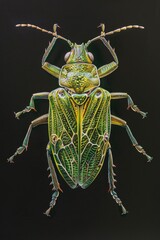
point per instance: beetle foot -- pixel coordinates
(52, 203)
(17, 115)
(136, 109)
(143, 114)
(149, 158)
(10, 160)
(18, 151)
(119, 202)
(47, 212)
(123, 210)
(141, 150)
(26, 110)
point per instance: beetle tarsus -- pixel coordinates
(136, 109)
(149, 158)
(10, 160)
(141, 150)
(47, 212)
(123, 210)
(17, 115)
(118, 201)
(18, 151)
(52, 203)
(26, 110)
(144, 114)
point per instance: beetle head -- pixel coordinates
(79, 53)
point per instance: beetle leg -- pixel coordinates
(52, 69)
(108, 68)
(42, 95)
(112, 180)
(54, 182)
(130, 102)
(38, 121)
(120, 122)
(48, 50)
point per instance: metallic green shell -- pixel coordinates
(79, 130)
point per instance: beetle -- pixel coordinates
(79, 119)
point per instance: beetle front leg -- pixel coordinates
(38, 121)
(130, 102)
(54, 182)
(108, 68)
(52, 69)
(120, 122)
(111, 181)
(35, 96)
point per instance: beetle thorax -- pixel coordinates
(79, 77)
(79, 74)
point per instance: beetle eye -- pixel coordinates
(67, 55)
(90, 55)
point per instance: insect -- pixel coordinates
(79, 119)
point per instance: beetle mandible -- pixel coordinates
(79, 119)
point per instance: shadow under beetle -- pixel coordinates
(79, 119)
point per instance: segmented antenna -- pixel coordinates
(103, 34)
(36, 27)
(123, 29)
(44, 30)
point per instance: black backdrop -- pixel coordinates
(25, 192)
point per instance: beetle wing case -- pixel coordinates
(79, 142)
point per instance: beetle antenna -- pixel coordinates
(123, 29)
(103, 34)
(46, 31)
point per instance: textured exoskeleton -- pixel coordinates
(79, 119)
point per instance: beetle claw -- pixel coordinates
(10, 160)
(144, 114)
(47, 212)
(123, 210)
(149, 158)
(17, 115)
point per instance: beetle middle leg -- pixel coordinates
(42, 95)
(54, 182)
(120, 122)
(38, 121)
(131, 104)
(111, 181)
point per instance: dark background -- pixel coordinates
(24, 186)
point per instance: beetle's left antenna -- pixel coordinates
(54, 33)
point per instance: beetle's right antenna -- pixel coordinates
(103, 34)
(54, 33)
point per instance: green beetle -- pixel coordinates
(79, 119)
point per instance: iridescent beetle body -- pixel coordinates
(79, 119)
(78, 142)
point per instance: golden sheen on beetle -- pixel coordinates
(79, 118)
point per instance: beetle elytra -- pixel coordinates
(79, 119)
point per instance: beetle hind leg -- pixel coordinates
(54, 181)
(120, 122)
(111, 180)
(38, 121)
